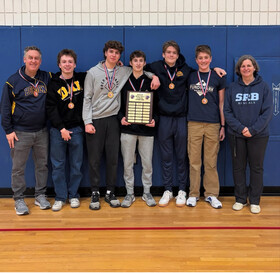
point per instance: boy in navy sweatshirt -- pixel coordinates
(206, 127)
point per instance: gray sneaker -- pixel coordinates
(148, 198)
(112, 200)
(128, 200)
(94, 202)
(21, 208)
(42, 202)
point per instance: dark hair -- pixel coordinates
(242, 59)
(67, 52)
(137, 54)
(170, 43)
(32, 48)
(113, 44)
(203, 48)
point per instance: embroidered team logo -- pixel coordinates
(179, 74)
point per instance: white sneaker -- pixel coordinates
(181, 199)
(166, 197)
(74, 202)
(255, 209)
(214, 202)
(58, 205)
(191, 202)
(238, 206)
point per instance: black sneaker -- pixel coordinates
(94, 203)
(112, 200)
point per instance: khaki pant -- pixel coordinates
(206, 135)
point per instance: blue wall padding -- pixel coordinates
(227, 44)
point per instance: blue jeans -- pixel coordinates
(58, 153)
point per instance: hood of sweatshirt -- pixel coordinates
(257, 80)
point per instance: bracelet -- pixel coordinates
(222, 126)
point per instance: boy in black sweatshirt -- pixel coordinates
(64, 106)
(131, 133)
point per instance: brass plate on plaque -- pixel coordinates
(139, 107)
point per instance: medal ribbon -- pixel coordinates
(204, 90)
(169, 75)
(134, 89)
(109, 80)
(34, 85)
(70, 88)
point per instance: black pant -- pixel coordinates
(106, 138)
(251, 150)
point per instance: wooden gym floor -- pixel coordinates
(141, 238)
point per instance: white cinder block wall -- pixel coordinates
(138, 12)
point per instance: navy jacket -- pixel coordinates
(20, 109)
(248, 106)
(172, 102)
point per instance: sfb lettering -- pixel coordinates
(63, 92)
(247, 97)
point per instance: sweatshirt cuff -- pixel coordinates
(9, 131)
(87, 121)
(240, 129)
(60, 126)
(252, 131)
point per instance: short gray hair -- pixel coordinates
(32, 48)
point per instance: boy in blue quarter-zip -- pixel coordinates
(24, 121)
(206, 127)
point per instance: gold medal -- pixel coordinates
(71, 105)
(110, 94)
(171, 85)
(35, 93)
(204, 101)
